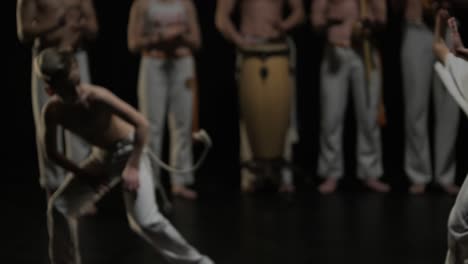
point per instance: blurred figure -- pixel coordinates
(265, 69)
(65, 24)
(166, 33)
(418, 82)
(453, 71)
(118, 134)
(350, 65)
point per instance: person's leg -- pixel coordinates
(458, 228)
(73, 199)
(446, 122)
(366, 102)
(152, 100)
(146, 220)
(417, 60)
(333, 98)
(180, 125)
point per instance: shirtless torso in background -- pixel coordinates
(261, 20)
(59, 23)
(340, 17)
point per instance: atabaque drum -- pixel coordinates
(265, 98)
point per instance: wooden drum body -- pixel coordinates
(265, 93)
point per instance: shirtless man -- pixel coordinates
(166, 34)
(56, 23)
(262, 21)
(453, 70)
(118, 134)
(342, 22)
(418, 82)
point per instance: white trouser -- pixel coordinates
(74, 197)
(458, 228)
(417, 65)
(164, 89)
(340, 68)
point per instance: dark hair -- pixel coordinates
(52, 64)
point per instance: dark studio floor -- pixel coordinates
(348, 227)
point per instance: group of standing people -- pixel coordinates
(166, 33)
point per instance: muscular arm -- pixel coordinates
(49, 139)
(318, 17)
(224, 23)
(89, 21)
(30, 26)
(295, 18)
(136, 39)
(192, 37)
(132, 116)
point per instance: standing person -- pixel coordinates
(266, 83)
(166, 33)
(343, 64)
(56, 23)
(453, 70)
(418, 83)
(118, 134)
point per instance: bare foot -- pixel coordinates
(417, 188)
(450, 188)
(377, 186)
(287, 188)
(184, 192)
(328, 186)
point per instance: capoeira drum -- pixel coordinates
(265, 98)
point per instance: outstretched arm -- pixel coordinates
(30, 25)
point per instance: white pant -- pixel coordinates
(417, 64)
(74, 197)
(340, 68)
(458, 228)
(163, 89)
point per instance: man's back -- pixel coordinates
(90, 117)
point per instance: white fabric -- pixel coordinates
(454, 74)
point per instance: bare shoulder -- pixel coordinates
(52, 109)
(98, 93)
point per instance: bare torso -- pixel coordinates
(68, 34)
(161, 15)
(347, 13)
(91, 120)
(414, 11)
(260, 19)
